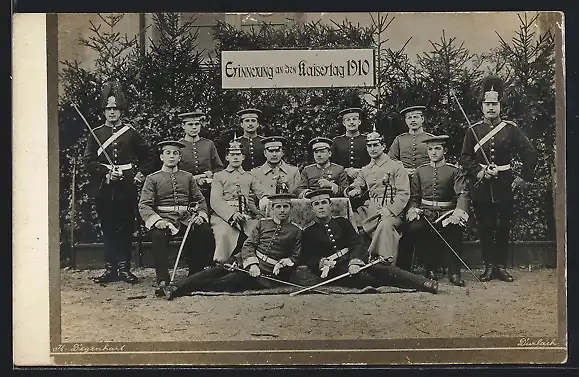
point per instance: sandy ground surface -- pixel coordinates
(120, 312)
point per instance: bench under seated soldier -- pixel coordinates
(273, 247)
(386, 182)
(114, 188)
(439, 193)
(235, 213)
(171, 200)
(331, 247)
(199, 156)
(323, 173)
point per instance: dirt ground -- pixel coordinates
(120, 312)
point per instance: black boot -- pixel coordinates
(488, 274)
(455, 279)
(108, 276)
(125, 273)
(500, 272)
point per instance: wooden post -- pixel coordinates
(73, 214)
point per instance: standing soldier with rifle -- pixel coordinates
(487, 151)
(109, 157)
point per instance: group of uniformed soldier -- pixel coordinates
(406, 198)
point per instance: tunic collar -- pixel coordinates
(267, 168)
(169, 170)
(438, 164)
(384, 158)
(495, 121)
(416, 132)
(231, 169)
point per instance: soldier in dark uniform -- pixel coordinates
(323, 173)
(170, 201)
(251, 143)
(114, 188)
(331, 246)
(273, 247)
(349, 149)
(409, 148)
(438, 191)
(199, 157)
(492, 185)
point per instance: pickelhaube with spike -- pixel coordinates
(374, 136)
(113, 96)
(234, 144)
(491, 89)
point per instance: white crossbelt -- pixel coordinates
(338, 254)
(488, 136)
(112, 138)
(265, 258)
(120, 167)
(172, 208)
(499, 167)
(435, 203)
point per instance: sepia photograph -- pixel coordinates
(373, 188)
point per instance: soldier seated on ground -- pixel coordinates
(166, 205)
(273, 247)
(331, 247)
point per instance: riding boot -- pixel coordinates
(109, 275)
(500, 272)
(488, 274)
(125, 273)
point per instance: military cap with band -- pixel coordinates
(319, 192)
(350, 110)
(273, 142)
(437, 139)
(491, 89)
(318, 143)
(412, 108)
(173, 143)
(281, 197)
(249, 113)
(196, 113)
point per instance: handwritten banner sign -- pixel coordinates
(297, 68)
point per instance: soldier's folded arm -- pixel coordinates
(296, 248)
(216, 163)
(302, 187)
(415, 191)
(342, 183)
(147, 203)
(461, 192)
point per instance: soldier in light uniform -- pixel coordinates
(324, 173)
(492, 186)
(386, 181)
(275, 175)
(114, 188)
(409, 148)
(331, 247)
(235, 212)
(170, 201)
(199, 157)
(439, 193)
(273, 248)
(251, 143)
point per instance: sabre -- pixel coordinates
(270, 278)
(376, 261)
(94, 135)
(191, 211)
(451, 249)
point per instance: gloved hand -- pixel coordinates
(413, 214)
(285, 262)
(353, 269)
(254, 271)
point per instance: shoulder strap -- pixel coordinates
(488, 136)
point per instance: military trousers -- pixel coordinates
(431, 249)
(494, 225)
(117, 216)
(198, 249)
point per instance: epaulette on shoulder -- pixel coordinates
(510, 122)
(423, 165)
(308, 225)
(96, 128)
(429, 134)
(155, 172)
(260, 137)
(453, 165)
(477, 123)
(296, 225)
(310, 165)
(266, 218)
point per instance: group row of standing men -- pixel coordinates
(404, 190)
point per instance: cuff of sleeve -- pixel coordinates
(249, 261)
(150, 222)
(204, 215)
(356, 261)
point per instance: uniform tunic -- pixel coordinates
(166, 195)
(270, 242)
(410, 150)
(383, 229)
(438, 190)
(312, 173)
(226, 187)
(492, 198)
(267, 177)
(253, 151)
(350, 152)
(200, 156)
(116, 201)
